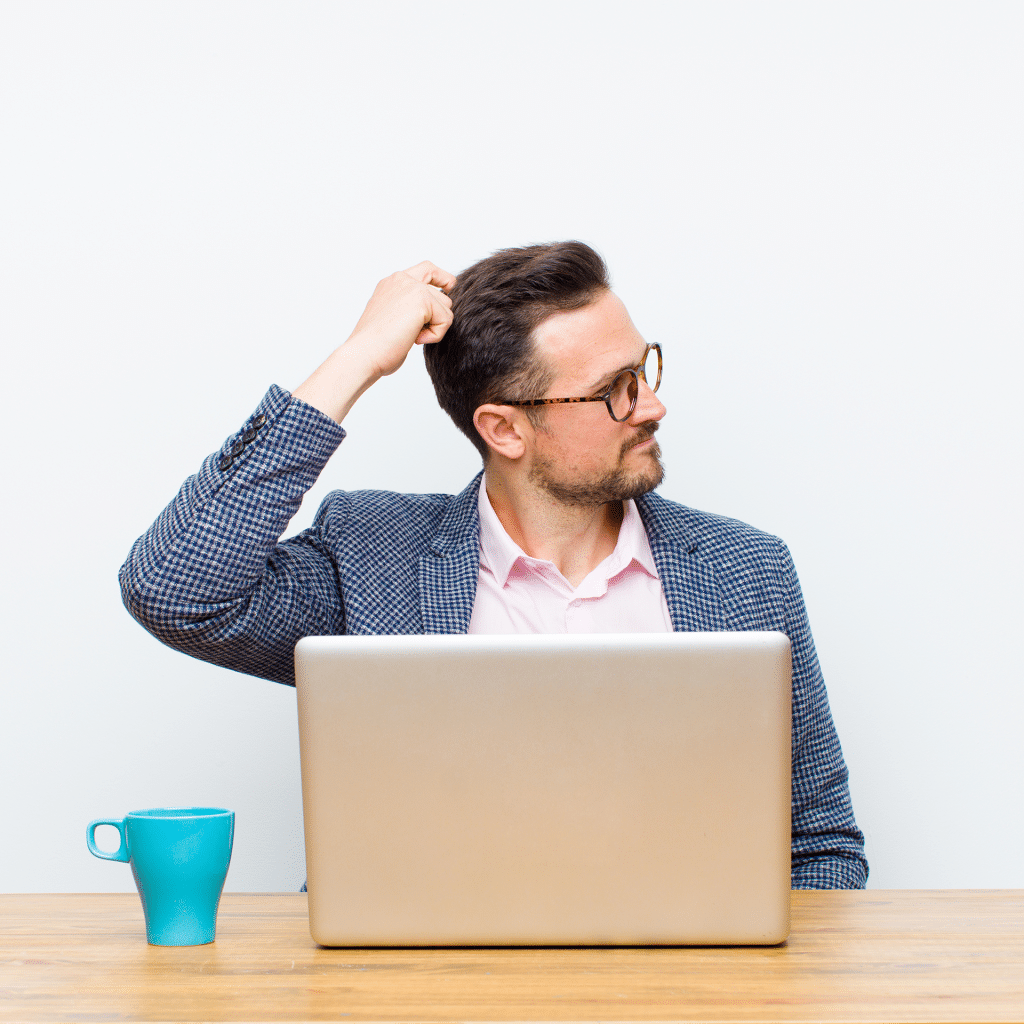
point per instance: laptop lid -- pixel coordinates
(546, 789)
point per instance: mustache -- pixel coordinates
(643, 433)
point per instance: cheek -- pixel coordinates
(583, 448)
(561, 449)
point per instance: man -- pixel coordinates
(538, 363)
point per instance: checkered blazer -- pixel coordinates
(209, 578)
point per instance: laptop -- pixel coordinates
(594, 789)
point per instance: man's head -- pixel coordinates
(542, 322)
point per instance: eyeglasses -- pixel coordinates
(622, 395)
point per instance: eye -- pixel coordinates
(623, 395)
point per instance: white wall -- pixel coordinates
(815, 208)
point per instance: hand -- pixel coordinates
(409, 307)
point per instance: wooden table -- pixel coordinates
(880, 955)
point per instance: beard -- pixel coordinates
(619, 484)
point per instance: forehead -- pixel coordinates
(583, 345)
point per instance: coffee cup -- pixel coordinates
(179, 857)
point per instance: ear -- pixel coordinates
(503, 428)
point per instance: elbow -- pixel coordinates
(164, 608)
(222, 632)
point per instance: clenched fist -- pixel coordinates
(411, 307)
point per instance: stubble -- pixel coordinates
(621, 484)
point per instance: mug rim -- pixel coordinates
(178, 813)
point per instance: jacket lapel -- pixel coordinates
(449, 571)
(691, 589)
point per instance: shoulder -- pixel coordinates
(714, 538)
(383, 510)
(398, 521)
(750, 570)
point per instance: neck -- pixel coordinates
(575, 538)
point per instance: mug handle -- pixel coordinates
(121, 853)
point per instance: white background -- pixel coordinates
(816, 209)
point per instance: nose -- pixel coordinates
(648, 406)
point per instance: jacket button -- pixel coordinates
(237, 447)
(249, 435)
(225, 463)
(259, 421)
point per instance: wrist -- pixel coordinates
(337, 383)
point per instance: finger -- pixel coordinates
(431, 334)
(429, 273)
(435, 328)
(442, 296)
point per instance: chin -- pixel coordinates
(645, 480)
(643, 483)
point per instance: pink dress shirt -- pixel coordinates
(520, 594)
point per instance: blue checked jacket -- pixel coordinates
(209, 578)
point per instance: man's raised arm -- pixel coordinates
(209, 577)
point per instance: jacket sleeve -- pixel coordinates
(209, 577)
(828, 847)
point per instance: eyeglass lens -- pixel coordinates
(623, 395)
(650, 370)
(625, 387)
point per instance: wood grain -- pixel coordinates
(880, 955)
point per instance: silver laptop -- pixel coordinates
(597, 789)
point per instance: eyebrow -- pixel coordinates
(606, 380)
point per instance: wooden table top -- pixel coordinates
(876, 955)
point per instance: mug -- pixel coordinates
(179, 857)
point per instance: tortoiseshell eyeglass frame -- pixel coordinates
(637, 373)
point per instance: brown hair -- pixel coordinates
(487, 353)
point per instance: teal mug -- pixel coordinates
(180, 857)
